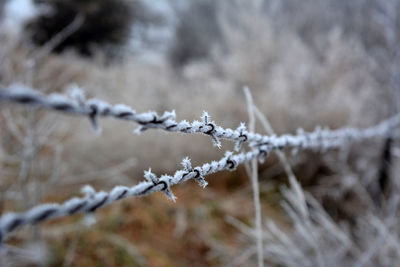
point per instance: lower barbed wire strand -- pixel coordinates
(93, 108)
(95, 200)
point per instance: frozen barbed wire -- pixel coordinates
(93, 200)
(261, 146)
(321, 138)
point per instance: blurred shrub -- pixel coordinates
(197, 34)
(2, 2)
(106, 22)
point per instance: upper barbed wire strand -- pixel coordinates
(93, 108)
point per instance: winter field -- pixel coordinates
(202, 133)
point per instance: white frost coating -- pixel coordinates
(121, 108)
(59, 98)
(261, 145)
(102, 106)
(19, 91)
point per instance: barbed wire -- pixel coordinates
(261, 146)
(93, 108)
(94, 200)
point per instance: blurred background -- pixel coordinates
(331, 62)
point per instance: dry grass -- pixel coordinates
(290, 83)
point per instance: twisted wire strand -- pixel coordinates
(94, 200)
(93, 108)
